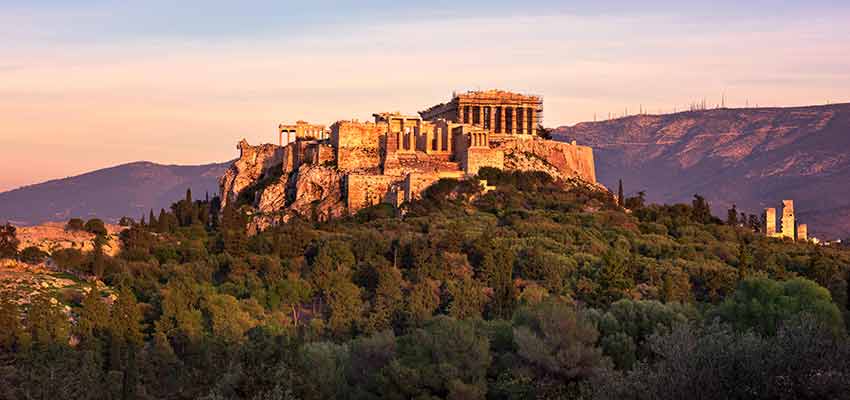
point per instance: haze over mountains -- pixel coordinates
(750, 157)
(130, 189)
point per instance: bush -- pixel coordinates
(33, 255)
(75, 224)
(96, 226)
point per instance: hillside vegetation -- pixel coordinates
(537, 289)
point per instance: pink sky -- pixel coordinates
(68, 107)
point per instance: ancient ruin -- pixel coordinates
(788, 225)
(394, 157)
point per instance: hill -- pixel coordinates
(751, 157)
(130, 189)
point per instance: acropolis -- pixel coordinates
(394, 157)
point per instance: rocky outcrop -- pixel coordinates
(53, 236)
(561, 160)
(254, 163)
(276, 186)
(317, 193)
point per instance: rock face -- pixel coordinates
(52, 236)
(272, 182)
(753, 158)
(253, 163)
(561, 160)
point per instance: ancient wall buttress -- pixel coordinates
(358, 145)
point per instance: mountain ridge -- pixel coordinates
(752, 157)
(129, 189)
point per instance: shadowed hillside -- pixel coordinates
(110, 193)
(751, 157)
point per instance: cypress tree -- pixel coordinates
(621, 201)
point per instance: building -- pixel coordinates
(288, 133)
(394, 157)
(497, 111)
(788, 227)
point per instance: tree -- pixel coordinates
(620, 197)
(126, 221)
(636, 202)
(96, 226)
(732, 216)
(763, 304)
(445, 359)
(9, 241)
(559, 345)
(701, 210)
(75, 224)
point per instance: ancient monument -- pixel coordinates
(394, 157)
(788, 226)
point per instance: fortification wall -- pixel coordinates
(358, 145)
(475, 158)
(362, 191)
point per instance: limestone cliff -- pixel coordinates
(277, 183)
(561, 160)
(275, 187)
(254, 163)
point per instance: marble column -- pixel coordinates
(412, 141)
(502, 128)
(513, 120)
(492, 119)
(533, 119)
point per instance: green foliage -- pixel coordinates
(95, 226)
(764, 304)
(33, 255)
(537, 289)
(75, 224)
(8, 241)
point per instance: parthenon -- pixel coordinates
(498, 111)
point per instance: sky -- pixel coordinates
(90, 84)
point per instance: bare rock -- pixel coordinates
(253, 163)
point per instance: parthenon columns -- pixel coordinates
(513, 120)
(502, 127)
(439, 133)
(411, 140)
(492, 119)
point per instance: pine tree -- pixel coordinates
(732, 216)
(152, 221)
(621, 200)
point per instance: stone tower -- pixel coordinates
(770, 221)
(788, 227)
(802, 232)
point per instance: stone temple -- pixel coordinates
(394, 157)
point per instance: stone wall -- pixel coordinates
(414, 184)
(358, 145)
(362, 190)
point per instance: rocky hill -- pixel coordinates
(110, 193)
(752, 157)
